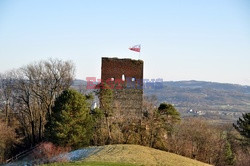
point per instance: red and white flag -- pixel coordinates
(136, 48)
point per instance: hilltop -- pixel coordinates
(134, 155)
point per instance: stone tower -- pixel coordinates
(126, 79)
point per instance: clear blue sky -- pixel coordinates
(181, 39)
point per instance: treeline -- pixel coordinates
(37, 105)
(27, 98)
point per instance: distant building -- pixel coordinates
(194, 112)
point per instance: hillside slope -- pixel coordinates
(133, 155)
(141, 155)
(114, 155)
(217, 101)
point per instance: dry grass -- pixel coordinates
(140, 155)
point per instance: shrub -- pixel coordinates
(47, 152)
(8, 139)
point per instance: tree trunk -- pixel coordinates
(40, 128)
(109, 131)
(33, 133)
(7, 112)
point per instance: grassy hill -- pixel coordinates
(126, 155)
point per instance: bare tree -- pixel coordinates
(33, 91)
(6, 93)
(195, 138)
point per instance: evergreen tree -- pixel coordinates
(162, 124)
(169, 112)
(168, 115)
(71, 123)
(243, 125)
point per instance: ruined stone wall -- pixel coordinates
(128, 73)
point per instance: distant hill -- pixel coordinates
(212, 100)
(216, 101)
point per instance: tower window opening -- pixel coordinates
(123, 77)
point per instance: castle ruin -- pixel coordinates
(126, 76)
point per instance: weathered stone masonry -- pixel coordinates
(130, 73)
